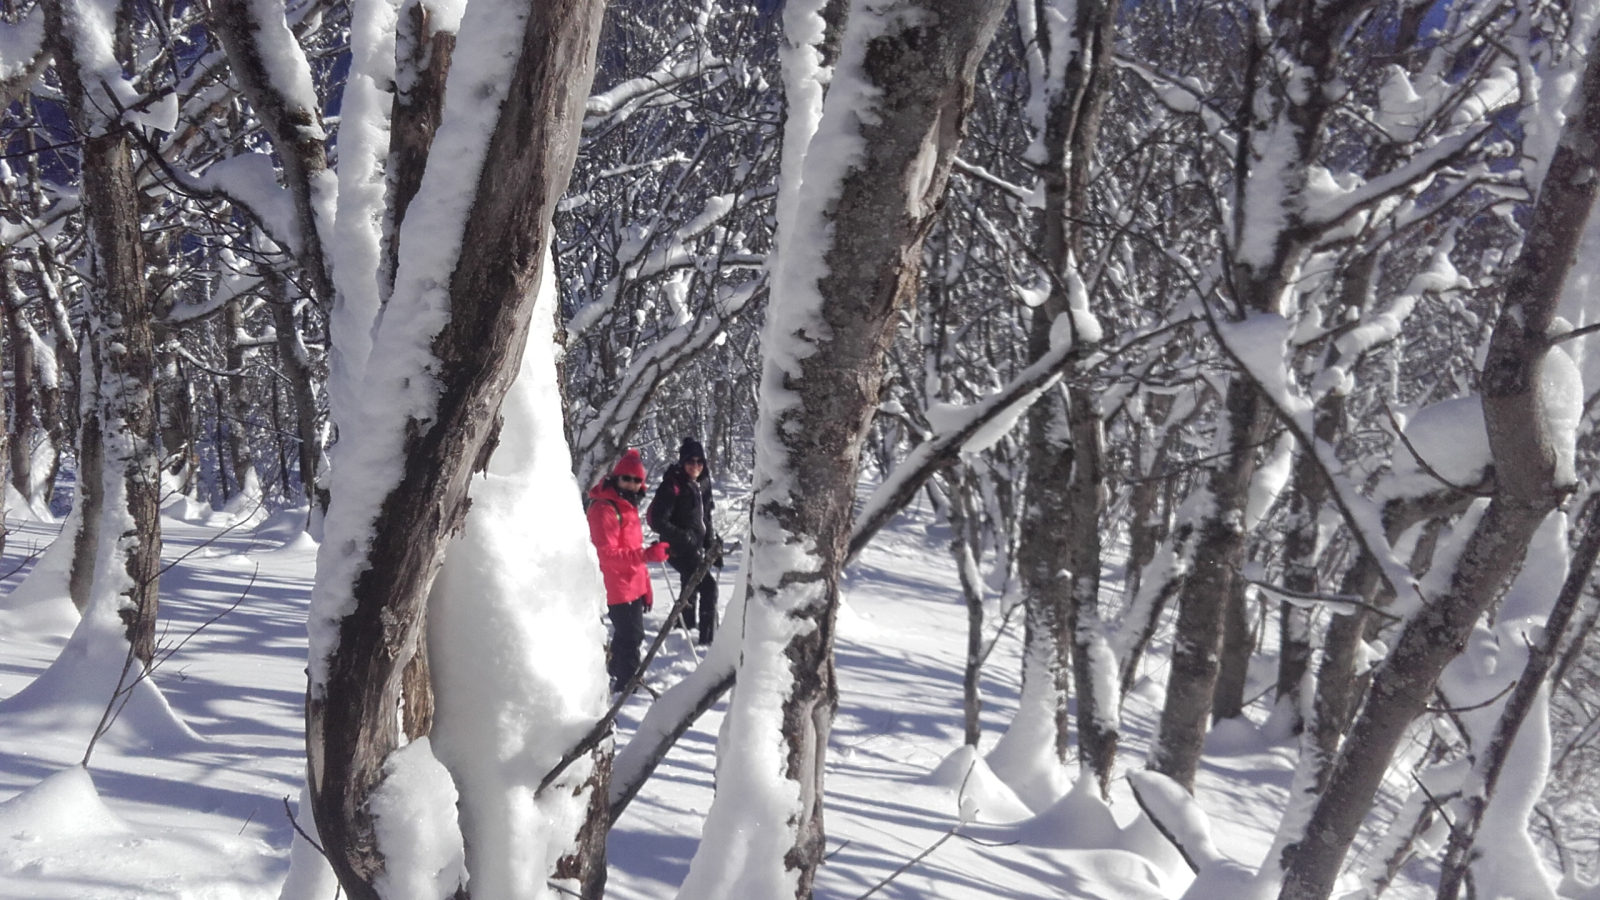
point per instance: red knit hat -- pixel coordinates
(630, 465)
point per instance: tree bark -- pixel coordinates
(296, 364)
(23, 369)
(351, 722)
(7, 441)
(1060, 567)
(1311, 35)
(237, 410)
(120, 323)
(1309, 492)
(294, 126)
(1233, 662)
(1218, 556)
(962, 547)
(88, 498)
(869, 221)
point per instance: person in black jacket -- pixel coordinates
(681, 513)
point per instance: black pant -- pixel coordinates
(708, 598)
(627, 633)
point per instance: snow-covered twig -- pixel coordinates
(1308, 598)
(979, 173)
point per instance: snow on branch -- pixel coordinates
(624, 98)
(1259, 346)
(1029, 197)
(645, 372)
(643, 263)
(1335, 206)
(22, 54)
(1341, 604)
(977, 427)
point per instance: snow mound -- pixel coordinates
(1224, 878)
(63, 805)
(1080, 820)
(1236, 736)
(20, 507)
(1109, 875)
(1025, 757)
(1176, 813)
(59, 841)
(187, 509)
(41, 605)
(981, 795)
(70, 697)
(853, 624)
(414, 815)
(286, 527)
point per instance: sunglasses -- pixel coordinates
(694, 462)
(629, 479)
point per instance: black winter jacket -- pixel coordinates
(681, 513)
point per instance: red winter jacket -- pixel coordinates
(619, 540)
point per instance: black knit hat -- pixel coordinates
(691, 449)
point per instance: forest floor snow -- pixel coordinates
(208, 820)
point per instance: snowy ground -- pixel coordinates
(208, 819)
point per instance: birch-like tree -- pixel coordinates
(864, 174)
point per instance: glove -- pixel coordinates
(715, 550)
(656, 552)
(649, 602)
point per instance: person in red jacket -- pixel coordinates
(619, 540)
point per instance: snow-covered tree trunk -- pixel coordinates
(62, 413)
(240, 460)
(1528, 694)
(296, 363)
(180, 461)
(1238, 645)
(951, 494)
(1292, 51)
(1060, 566)
(8, 443)
(513, 636)
(273, 73)
(23, 378)
(1202, 600)
(850, 240)
(83, 525)
(1309, 491)
(1531, 428)
(423, 54)
(964, 547)
(120, 316)
(452, 336)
